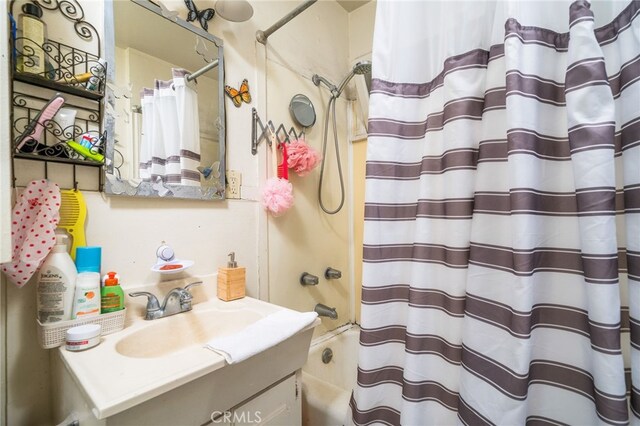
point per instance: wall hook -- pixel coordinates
(281, 133)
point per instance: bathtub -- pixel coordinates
(326, 388)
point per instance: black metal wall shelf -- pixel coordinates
(36, 80)
(26, 156)
(72, 70)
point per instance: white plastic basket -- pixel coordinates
(52, 335)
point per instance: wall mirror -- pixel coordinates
(165, 105)
(301, 109)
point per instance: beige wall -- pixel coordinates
(361, 22)
(304, 239)
(359, 172)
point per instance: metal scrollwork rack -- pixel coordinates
(281, 133)
(72, 70)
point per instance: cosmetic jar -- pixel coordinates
(83, 337)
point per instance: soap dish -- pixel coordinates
(172, 267)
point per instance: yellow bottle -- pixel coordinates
(231, 280)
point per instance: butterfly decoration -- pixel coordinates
(120, 92)
(119, 186)
(117, 113)
(171, 15)
(203, 51)
(238, 96)
(212, 171)
(158, 185)
(202, 16)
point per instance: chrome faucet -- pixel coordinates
(176, 301)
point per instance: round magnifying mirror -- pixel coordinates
(302, 110)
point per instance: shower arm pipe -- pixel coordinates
(262, 36)
(202, 70)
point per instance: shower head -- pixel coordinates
(360, 68)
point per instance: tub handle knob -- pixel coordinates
(332, 274)
(308, 279)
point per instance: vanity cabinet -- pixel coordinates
(111, 384)
(191, 404)
(280, 404)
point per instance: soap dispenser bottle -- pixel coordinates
(231, 280)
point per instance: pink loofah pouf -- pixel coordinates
(277, 196)
(302, 157)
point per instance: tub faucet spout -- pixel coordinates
(325, 311)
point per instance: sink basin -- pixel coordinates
(165, 360)
(165, 336)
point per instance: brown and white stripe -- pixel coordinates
(502, 238)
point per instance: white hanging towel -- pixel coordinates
(261, 335)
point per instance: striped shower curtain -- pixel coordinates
(170, 136)
(501, 280)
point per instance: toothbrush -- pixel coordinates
(36, 126)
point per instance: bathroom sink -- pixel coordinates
(166, 360)
(165, 336)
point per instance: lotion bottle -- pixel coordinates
(56, 284)
(86, 302)
(231, 280)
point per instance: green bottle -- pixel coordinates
(111, 295)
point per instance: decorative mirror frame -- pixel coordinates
(116, 186)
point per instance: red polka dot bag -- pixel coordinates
(34, 220)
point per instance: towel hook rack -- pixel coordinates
(281, 133)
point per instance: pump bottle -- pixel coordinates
(231, 280)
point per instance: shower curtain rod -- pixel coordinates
(202, 70)
(137, 109)
(262, 36)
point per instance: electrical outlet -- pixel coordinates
(234, 182)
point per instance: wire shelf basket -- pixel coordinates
(42, 70)
(52, 335)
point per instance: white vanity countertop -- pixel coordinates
(113, 382)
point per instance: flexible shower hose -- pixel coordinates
(331, 111)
